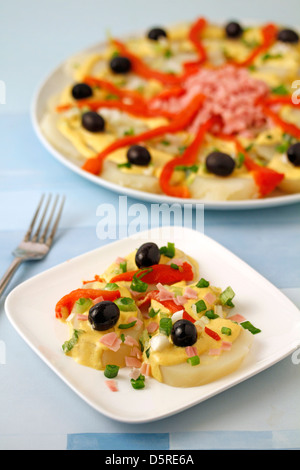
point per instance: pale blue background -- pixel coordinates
(36, 409)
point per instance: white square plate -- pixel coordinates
(30, 309)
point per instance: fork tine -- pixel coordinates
(51, 236)
(43, 236)
(28, 233)
(35, 236)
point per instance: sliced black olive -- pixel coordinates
(293, 154)
(220, 164)
(138, 155)
(184, 333)
(104, 315)
(120, 64)
(147, 255)
(233, 30)
(288, 35)
(156, 33)
(93, 122)
(81, 91)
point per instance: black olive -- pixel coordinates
(81, 91)
(220, 164)
(120, 64)
(93, 122)
(233, 30)
(184, 333)
(293, 154)
(104, 315)
(138, 155)
(156, 33)
(147, 255)
(288, 35)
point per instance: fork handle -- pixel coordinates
(9, 274)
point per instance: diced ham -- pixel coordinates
(137, 320)
(145, 369)
(132, 362)
(82, 317)
(119, 260)
(190, 293)
(112, 385)
(136, 352)
(180, 300)
(152, 327)
(134, 373)
(237, 318)
(226, 345)
(177, 261)
(191, 351)
(130, 341)
(112, 341)
(163, 293)
(210, 298)
(214, 351)
(98, 300)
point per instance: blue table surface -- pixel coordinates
(37, 410)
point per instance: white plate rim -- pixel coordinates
(36, 104)
(236, 379)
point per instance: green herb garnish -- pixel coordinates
(111, 286)
(82, 305)
(152, 313)
(126, 304)
(139, 382)
(174, 266)
(137, 285)
(269, 56)
(226, 297)
(200, 306)
(111, 371)
(124, 165)
(211, 314)
(248, 326)
(168, 250)
(226, 331)
(69, 345)
(202, 283)
(194, 360)
(125, 326)
(123, 266)
(280, 90)
(165, 326)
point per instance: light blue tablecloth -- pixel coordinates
(37, 410)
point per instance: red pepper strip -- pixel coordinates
(160, 273)
(188, 317)
(265, 178)
(68, 300)
(188, 158)
(96, 279)
(284, 100)
(121, 93)
(182, 120)
(286, 126)
(194, 34)
(212, 334)
(140, 68)
(269, 33)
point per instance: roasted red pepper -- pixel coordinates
(194, 37)
(288, 127)
(183, 119)
(187, 316)
(160, 273)
(189, 157)
(212, 334)
(67, 302)
(269, 34)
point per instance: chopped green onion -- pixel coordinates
(125, 326)
(123, 266)
(202, 283)
(226, 297)
(226, 331)
(129, 132)
(144, 340)
(240, 159)
(165, 326)
(124, 165)
(200, 306)
(248, 326)
(139, 382)
(126, 304)
(268, 56)
(211, 314)
(68, 345)
(138, 285)
(168, 250)
(194, 360)
(82, 305)
(152, 313)
(280, 90)
(111, 286)
(174, 266)
(122, 337)
(111, 371)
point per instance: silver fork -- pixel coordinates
(35, 245)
